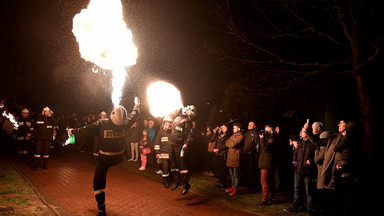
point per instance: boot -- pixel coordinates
(230, 189)
(186, 185)
(234, 192)
(185, 190)
(35, 162)
(176, 177)
(165, 182)
(101, 209)
(45, 163)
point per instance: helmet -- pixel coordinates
(167, 118)
(45, 109)
(190, 111)
(118, 116)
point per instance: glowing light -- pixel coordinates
(163, 98)
(105, 40)
(11, 119)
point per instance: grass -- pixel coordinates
(16, 196)
(206, 186)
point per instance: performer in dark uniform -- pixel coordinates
(111, 146)
(24, 132)
(45, 132)
(180, 138)
(162, 148)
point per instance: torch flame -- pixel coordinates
(11, 119)
(163, 98)
(105, 40)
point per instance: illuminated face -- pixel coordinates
(342, 126)
(269, 129)
(236, 129)
(251, 125)
(24, 114)
(103, 116)
(47, 113)
(224, 129)
(150, 124)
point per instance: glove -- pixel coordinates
(137, 101)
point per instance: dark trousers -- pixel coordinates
(103, 162)
(165, 167)
(43, 147)
(221, 169)
(249, 170)
(303, 181)
(24, 146)
(180, 163)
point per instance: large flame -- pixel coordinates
(163, 98)
(105, 40)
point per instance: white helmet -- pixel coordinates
(45, 109)
(119, 116)
(190, 111)
(167, 118)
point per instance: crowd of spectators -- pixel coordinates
(323, 163)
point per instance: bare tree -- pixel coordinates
(295, 40)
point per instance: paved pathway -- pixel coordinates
(67, 187)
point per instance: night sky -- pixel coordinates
(41, 65)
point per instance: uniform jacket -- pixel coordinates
(162, 145)
(181, 132)
(234, 144)
(25, 128)
(44, 127)
(111, 137)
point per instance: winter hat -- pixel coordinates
(324, 135)
(318, 125)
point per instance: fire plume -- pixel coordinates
(105, 40)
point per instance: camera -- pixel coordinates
(263, 132)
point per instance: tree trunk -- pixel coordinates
(366, 112)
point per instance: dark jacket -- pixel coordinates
(181, 132)
(134, 134)
(25, 128)
(143, 144)
(162, 145)
(267, 147)
(44, 127)
(250, 141)
(305, 151)
(220, 144)
(111, 137)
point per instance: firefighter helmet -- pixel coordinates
(167, 118)
(190, 111)
(119, 116)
